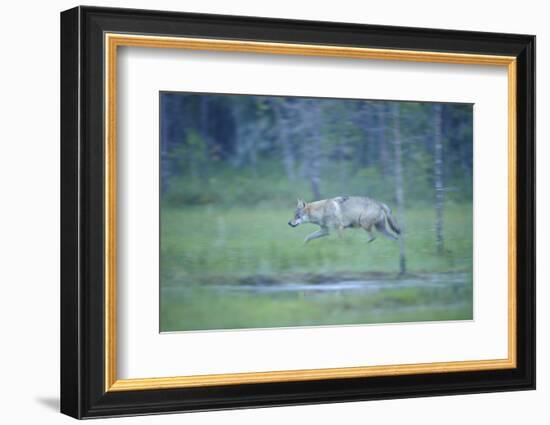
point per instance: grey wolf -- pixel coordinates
(345, 212)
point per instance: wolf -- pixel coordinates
(345, 212)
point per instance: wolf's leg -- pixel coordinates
(316, 235)
(340, 231)
(381, 227)
(367, 227)
(371, 234)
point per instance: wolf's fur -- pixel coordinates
(345, 212)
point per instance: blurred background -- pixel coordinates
(232, 168)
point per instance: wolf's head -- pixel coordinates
(300, 215)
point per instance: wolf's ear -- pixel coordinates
(301, 203)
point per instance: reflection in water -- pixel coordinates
(433, 280)
(299, 302)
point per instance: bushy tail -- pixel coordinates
(391, 219)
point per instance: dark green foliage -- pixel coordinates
(259, 141)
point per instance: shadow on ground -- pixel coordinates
(49, 402)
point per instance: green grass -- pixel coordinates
(204, 247)
(212, 245)
(204, 308)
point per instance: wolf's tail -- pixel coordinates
(391, 219)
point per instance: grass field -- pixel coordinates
(204, 248)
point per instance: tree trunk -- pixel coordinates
(166, 137)
(313, 151)
(438, 178)
(384, 154)
(203, 168)
(365, 121)
(284, 138)
(399, 195)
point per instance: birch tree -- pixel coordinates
(399, 192)
(438, 178)
(384, 154)
(314, 150)
(284, 137)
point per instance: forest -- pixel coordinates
(232, 169)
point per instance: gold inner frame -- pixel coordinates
(113, 41)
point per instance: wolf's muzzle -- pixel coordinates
(291, 224)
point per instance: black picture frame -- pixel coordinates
(83, 392)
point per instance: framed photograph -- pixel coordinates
(261, 212)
